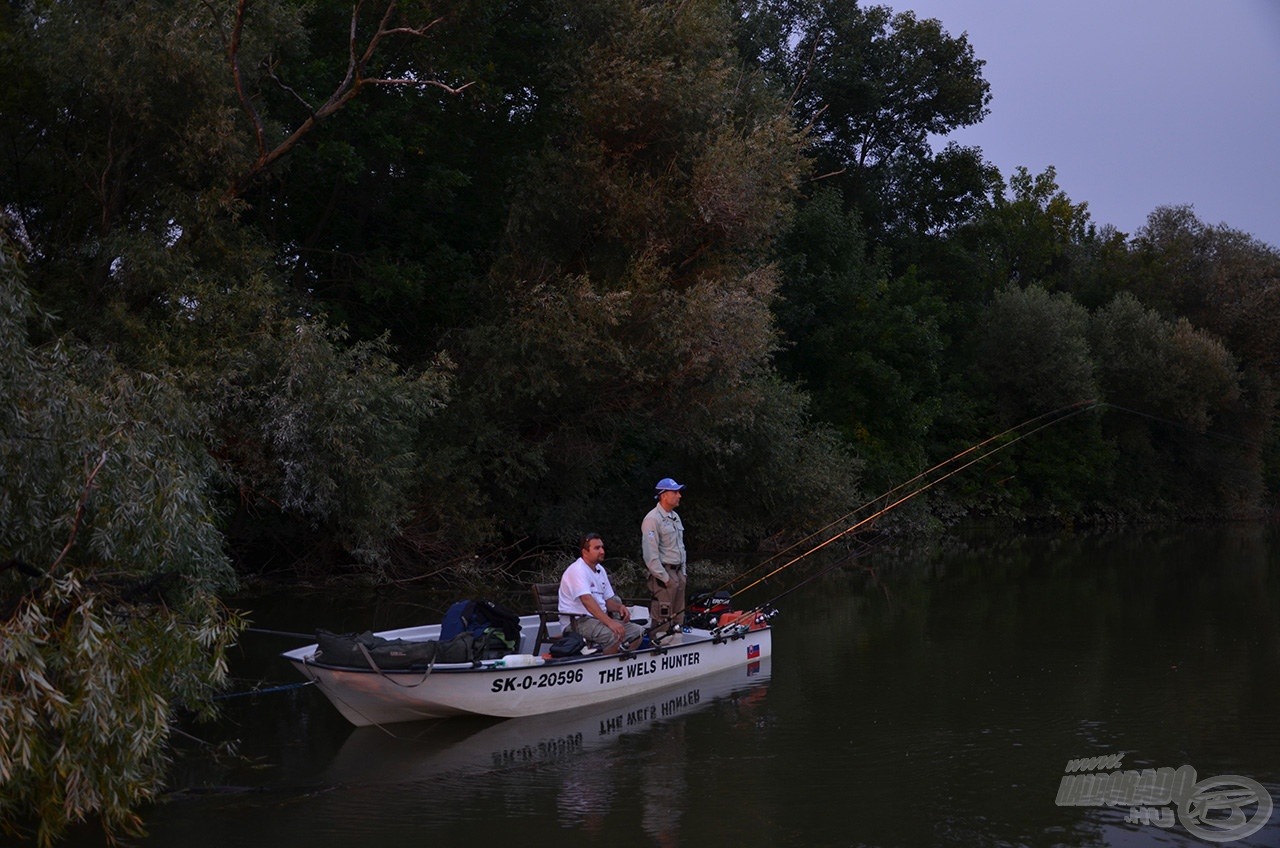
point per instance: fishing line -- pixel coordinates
(917, 485)
(923, 474)
(1209, 434)
(1056, 416)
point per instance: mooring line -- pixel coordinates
(310, 637)
(283, 687)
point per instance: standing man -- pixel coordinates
(662, 545)
(594, 609)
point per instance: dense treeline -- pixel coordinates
(362, 287)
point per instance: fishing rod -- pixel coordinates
(913, 488)
(1056, 416)
(918, 485)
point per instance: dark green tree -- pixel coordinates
(150, 142)
(118, 141)
(385, 215)
(1224, 281)
(1032, 231)
(636, 337)
(1174, 456)
(1219, 278)
(876, 87)
(1032, 357)
(1033, 353)
(111, 566)
(867, 345)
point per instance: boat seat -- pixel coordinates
(546, 602)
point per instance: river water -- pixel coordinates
(936, 702)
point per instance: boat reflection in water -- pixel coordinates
(416, 751)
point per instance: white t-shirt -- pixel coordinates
(581, 579)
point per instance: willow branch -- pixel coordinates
(80, 508)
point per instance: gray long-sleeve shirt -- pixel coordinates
(661, 541)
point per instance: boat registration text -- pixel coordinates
(613, 674)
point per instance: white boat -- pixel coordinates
(525, 684)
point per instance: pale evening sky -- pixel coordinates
(1137, 103)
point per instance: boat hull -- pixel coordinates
(504, 689)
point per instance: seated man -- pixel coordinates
(594, 609)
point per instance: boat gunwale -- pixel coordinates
(303, 656)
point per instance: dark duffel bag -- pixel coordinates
(568, 645)
(459, 649)
(344, 649)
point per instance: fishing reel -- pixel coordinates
(737, 623)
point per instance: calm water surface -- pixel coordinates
(935, 705)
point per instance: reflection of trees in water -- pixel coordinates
(662, 772)
(664, 784)
(633, 770)
(1005, 662)
(587, 794)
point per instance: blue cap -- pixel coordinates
(666, 484)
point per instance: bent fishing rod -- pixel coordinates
(904, 493)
